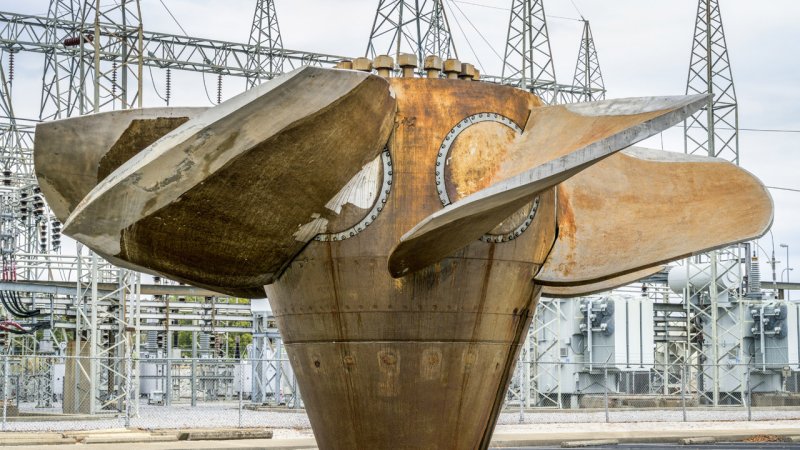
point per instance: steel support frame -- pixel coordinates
(419, 27)
(588, 76)
(713, 131)
(528, 59)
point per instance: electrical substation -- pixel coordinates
(83, 336)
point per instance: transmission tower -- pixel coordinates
(718, 313)
(528, 60)
(61, 92)
(588, 76)
(712, 131)
(265, 34)
(102, 68)
(419, 27)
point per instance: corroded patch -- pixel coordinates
(470, 159)
(138, 136)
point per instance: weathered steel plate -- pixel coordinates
(600, 286)
(253, 170)
(73, 155)
(558, 142)
(643, 207)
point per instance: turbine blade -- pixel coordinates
(73, 155)
(220, 200)
(600, 286)
(558, 142)
(643, 207)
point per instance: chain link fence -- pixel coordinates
(52, 393)
(573, 392)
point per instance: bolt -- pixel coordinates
(344, 64)
(467, 72)
(384, 64)
(408, 62)
(362, 64)
(452, 67)
(433, 66)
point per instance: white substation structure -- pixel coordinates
(591, 346)
(747, 343)
(775, 348)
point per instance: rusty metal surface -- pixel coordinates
(421, 361)
(643, 207)
(240, 170)
(558, 142)
(600, 286)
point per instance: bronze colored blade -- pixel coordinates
(221, 200)
(600, 286)
(643, 207)
(72, 156)
(558, 142)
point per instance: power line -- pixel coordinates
(761, 130)
(491, 47)
(769, 130)
(481, 5)
(466, 38)
(500, 8)
(783, 188)
(173, 17)
(576, 8)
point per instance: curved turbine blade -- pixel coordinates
(558, 142)
(219, 201)
(600, 286)
(72, 156)
(643, 207)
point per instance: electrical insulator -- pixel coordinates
(7, 178)
(160, 340)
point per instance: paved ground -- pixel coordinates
(646, 435)
(718, 446)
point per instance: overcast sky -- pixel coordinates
(643, 46)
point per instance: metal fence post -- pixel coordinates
(605, 390)
(241, 388)
(683, 390)
(5, 392)
(128, 388)
(194, 381)
(749, 395)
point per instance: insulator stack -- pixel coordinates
(169, 85)
(55, 234)
(6, 178)
(38, 202)
(23, 205)
(114, 79)
(754, 282)
(76, 40)
(219, 88)
(11, 67)
(42, 237)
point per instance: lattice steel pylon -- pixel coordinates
(712, 131)
(716, 311)
(62, 95)
(411, 26)
(528, 59)
(265, 34)
(89, 70)
(588, 76)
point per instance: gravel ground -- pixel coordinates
(294, 423)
